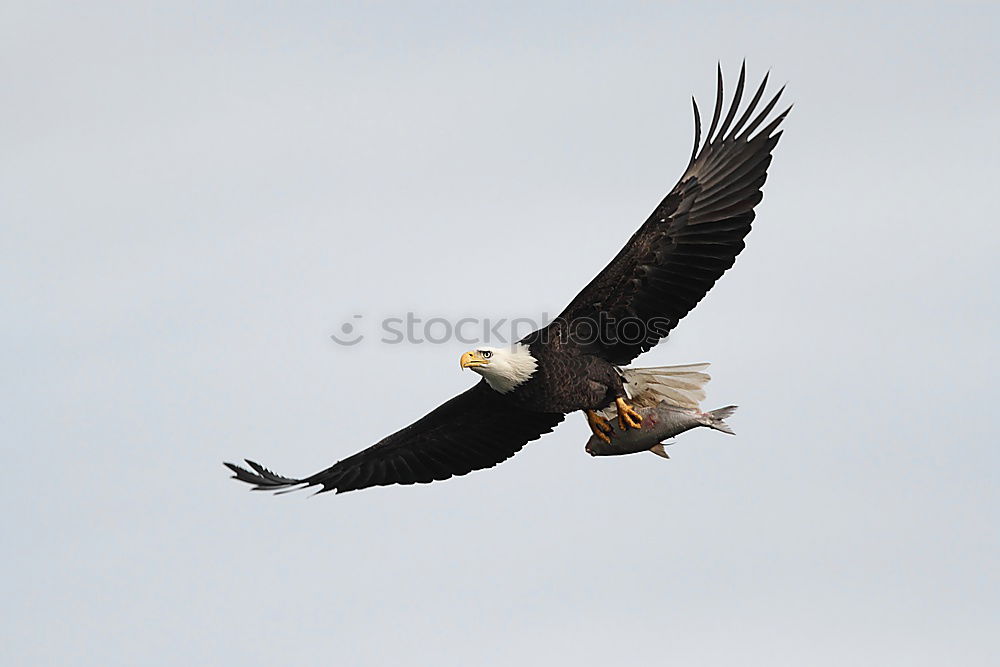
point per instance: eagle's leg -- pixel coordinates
(599, 425)
(627, 416)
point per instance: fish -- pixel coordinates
(659, 422)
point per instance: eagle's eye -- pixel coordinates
(486, 354)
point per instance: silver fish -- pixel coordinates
(659, 422)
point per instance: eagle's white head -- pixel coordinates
(503, 368)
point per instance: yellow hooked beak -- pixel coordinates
(472, 359)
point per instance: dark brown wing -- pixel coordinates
(687, 243)
(477, 429)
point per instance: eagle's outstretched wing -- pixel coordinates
(477, 429)
(685, 245)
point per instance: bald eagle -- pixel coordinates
(578, 362)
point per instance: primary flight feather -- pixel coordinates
(577, 363)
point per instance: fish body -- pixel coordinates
(660, 422)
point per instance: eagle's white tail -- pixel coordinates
(682, 386)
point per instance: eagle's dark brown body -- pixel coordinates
(567, 381)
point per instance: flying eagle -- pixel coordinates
(578, 361)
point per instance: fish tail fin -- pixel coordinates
(716, 419)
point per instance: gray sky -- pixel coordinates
(195, 196)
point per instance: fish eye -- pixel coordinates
(486, 354)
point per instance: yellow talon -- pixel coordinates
(599, 425)
(627, 417)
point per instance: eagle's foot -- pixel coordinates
(627, 416)
(599, 425)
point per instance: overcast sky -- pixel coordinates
(195, 196)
